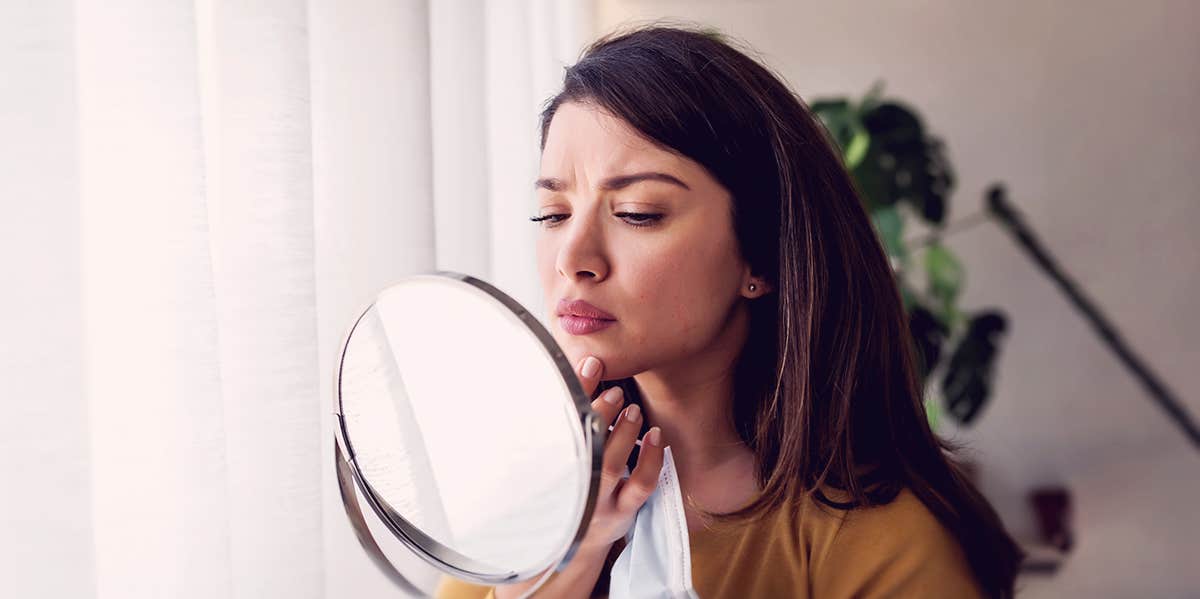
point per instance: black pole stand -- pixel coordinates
(998, 206)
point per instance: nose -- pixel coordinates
(582, 255)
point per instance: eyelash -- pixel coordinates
(647, 219)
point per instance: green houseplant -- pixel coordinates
(904, 176)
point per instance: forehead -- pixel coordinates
(588, 136)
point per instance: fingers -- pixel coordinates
(644, 477)
(608, 405)
(620, 442)
(589, 371)
(627, 423)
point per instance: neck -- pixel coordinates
(692, 403)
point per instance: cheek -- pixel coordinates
(545, 265)
(684, 290)
(544, 253)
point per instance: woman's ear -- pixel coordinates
(754, 287)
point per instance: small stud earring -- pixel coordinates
(753, 286)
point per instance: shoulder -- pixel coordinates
(452, 588)
(898, 549)
(903, 521)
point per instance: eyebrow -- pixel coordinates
(615, 183)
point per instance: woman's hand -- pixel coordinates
(618, 499)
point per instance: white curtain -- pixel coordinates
(196, 196)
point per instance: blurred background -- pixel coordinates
(197, 196)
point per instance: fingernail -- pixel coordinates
(614, 395)
(633, 413)
(654, 436)
(591, 367)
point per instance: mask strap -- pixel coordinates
(678, 541)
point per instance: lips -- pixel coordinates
(583, 309)
(581, 318)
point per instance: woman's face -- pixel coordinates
(642, 234)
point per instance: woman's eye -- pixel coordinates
(636, 219)
(639, 219)
(550, 219)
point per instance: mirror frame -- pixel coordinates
(430, 550)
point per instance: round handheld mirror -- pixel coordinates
(462, 425)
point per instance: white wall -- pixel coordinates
(1088, 112)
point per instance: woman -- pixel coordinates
(711, 269)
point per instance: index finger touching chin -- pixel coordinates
(589, 370)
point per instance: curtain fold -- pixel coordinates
(259, 193)
(198, 197)
(373, 203)
(160, 486)
(460, 145)
(45, 462)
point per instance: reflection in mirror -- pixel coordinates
(460, 419)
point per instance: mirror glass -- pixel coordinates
(463, 418)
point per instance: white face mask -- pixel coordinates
(657, 560)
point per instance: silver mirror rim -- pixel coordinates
(433, 552)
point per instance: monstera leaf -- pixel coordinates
(910, 166)
(968, 380)
(886, 149)
(929, 334)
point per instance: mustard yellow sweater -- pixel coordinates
(894, 550)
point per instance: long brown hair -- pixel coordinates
(826, 390)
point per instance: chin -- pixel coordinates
(621, 370)
(576, 349)
(617, 364)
